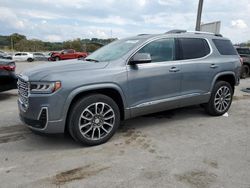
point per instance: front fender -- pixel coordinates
(92, 87)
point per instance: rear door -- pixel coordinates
(24, 56)
(154, 86)
(68, 54)
(197, 69)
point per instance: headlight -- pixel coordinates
(44, 87)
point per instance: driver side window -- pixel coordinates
(160, 50)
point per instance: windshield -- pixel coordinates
(113, 50)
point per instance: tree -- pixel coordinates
(75, 44)
(248, 43)
(92, 47)
(15, 38)
(29, 45)
(21, 43)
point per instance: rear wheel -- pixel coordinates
(30, 59)
(94, 119)
(221, 99)
(245, 71)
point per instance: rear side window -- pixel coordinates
(225, 47)
(193, 48)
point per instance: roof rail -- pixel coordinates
(207, 33)
(142, 34)
(176, 31)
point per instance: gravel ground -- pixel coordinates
(178, 148)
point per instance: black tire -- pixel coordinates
(212, 107)
(80, 111)
(30, 59)
(245, 71)
(57, 59)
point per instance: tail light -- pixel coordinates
(8, 67)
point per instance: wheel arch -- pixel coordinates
(225, 76)
(111, 90)
(57, 56)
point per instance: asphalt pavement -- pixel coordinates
(175, 149)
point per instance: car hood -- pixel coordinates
(41, 71)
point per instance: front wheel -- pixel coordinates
(57, 59)
(221, 99)
(94, 119)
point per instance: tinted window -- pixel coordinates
(243, 51)
(194, 48)
(225, 47)
(24, 54)
(160, 50)
(18, 54)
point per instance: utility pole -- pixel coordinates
(111, 33)
(12, 44)
(199, 12)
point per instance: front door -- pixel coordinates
(155, 86)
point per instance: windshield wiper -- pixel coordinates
(93, 60)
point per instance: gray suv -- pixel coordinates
(127, 78)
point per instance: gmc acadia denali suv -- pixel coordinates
(128, 78)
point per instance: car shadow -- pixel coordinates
(32, 141)
(168, 116)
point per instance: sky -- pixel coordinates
(59, 20)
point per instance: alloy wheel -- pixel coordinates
(96, 121)
(222, 99)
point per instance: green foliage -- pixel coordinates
(4, 41)
(29, 45)
(53, 46)
(17, 37)
(92, 47)
(73, 44)
(248, 43)
(20, 43)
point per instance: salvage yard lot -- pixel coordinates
(178, 148)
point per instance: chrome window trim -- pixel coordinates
(164, 37)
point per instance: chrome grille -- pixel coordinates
(23, 92)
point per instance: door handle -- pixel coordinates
(174, 69)
(213, 66)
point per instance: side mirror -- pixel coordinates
(140, 58)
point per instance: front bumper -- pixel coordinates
(38, 116)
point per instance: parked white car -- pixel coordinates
(23, 56)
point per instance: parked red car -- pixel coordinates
(67, 54)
